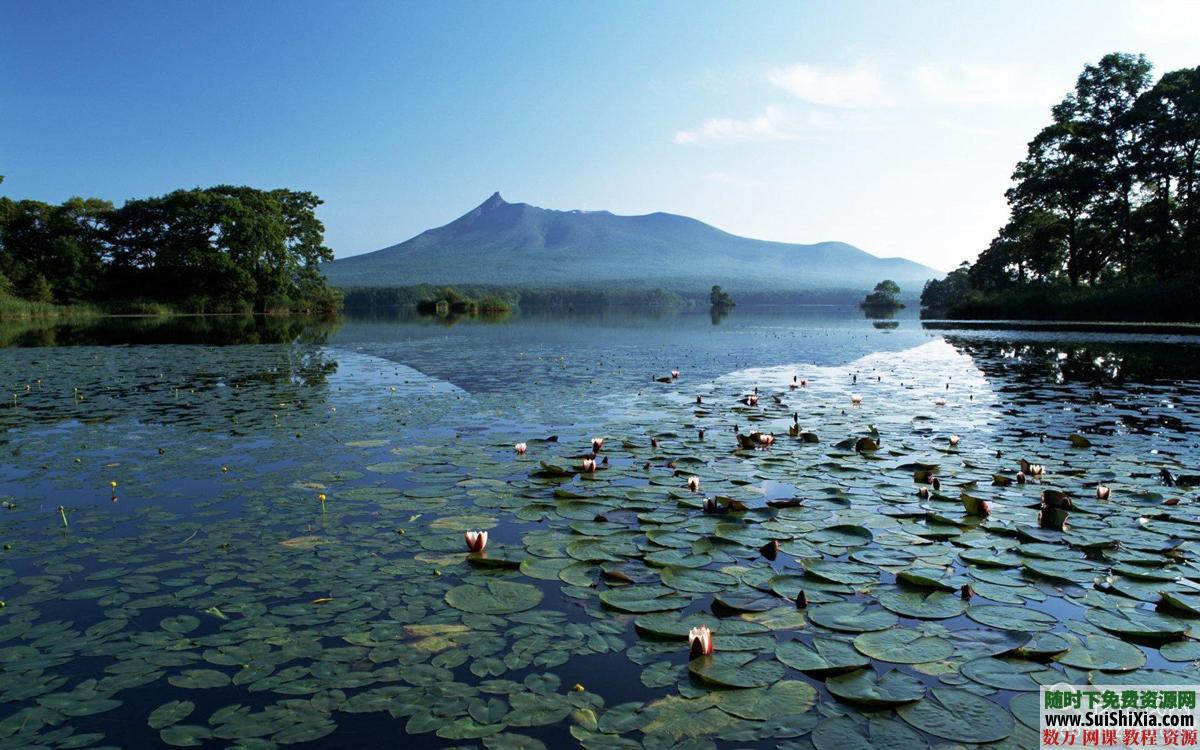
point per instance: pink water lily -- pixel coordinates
(693, 484)
(700, 641)
(520, 448)
(766, 440)
(855, 399)
(589, 465)
(1102, 492)
(954, 440)
(939, 402)
(476, 540)
(752, 400)
(597, 444)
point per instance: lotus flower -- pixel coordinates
(520, 448)
(855, 399)
(675, 374)
(589, 465)
(939, 402)
(766, 440)
(597, 444)
(476, 540)
(693, 484)
(1102, 492)
(954, 441)
(700, 642)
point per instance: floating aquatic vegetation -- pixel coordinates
(257, 619)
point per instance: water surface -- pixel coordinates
(210, 598)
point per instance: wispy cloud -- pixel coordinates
(983, 86)
(860, 85)
(774, 124)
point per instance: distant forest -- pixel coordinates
(218, 249)
(1105, 208)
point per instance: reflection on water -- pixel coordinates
(203, 330)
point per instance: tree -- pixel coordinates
(886, 295)
(720, 298)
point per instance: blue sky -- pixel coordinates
(893, 126)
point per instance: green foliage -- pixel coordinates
(1107, 197)
(719, 298)
(939, 294)
(224, 248)
(885, 296)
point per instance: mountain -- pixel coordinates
(516, 244)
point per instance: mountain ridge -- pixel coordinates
(518, 244)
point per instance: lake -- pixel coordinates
(250, 532)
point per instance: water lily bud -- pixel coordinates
(802, 600)
(700, 641)
(476, 540)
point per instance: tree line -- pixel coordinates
(218, 249)
(1107, 197)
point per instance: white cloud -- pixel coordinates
(981, 85)
(860, 85)
(774, 124)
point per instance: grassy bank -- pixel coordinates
(1169, 301)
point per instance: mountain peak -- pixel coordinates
(495, 201)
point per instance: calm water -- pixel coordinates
(211, 599)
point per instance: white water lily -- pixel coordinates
(693, 484)
(589, 465)
(855, 399)
(520, 448)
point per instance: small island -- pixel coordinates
(885, 298)
(447, 301)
